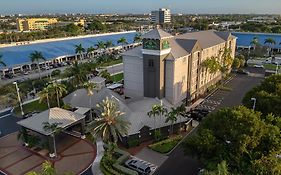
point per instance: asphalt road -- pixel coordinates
(178, 163)
(111, 69)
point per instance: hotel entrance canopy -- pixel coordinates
(60, 116)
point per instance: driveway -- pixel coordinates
(178, 163)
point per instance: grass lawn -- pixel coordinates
(110, 63)
(31, 107)
(117, 77)
(167, 145)
(270, 66)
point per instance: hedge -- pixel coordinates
(165, 146)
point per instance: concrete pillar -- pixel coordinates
(83, 129)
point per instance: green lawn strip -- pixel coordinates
(269, 66)
(31, 107)
(110, 63)
(117, 77)
(167, 145)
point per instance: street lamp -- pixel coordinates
(254, 105)
(18, 92)
(277, 67)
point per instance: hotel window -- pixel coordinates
(150, 63)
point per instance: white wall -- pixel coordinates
(133, 76)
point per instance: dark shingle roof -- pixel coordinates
(157, 34)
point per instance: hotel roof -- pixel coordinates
(157, 34)
(54, 115)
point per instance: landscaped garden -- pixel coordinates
(165, 146)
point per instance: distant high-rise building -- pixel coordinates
(161, 16)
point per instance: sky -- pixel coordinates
(139, 6)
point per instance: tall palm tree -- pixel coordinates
(271, 42)
(54, 129)
(90, 51)
(100, 45)
(109, 44)
(45, 95)
(110, 124)
(157, 111)
(36, 56)
(122, 41)
(79, 49)
(2, 63)
(172, 118)
(137, 38)
(90, 87)
(58, 90)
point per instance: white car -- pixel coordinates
(258, 66)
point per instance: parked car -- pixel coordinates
(258, 66)
(138, 166)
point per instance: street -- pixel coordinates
(178, 163)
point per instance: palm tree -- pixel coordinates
(78, 73)
(90, 91)
(255, 42)
(109, 44)
(122, 41)
(45, 95)
(110, 125)
(105, 74)
(79, 49)
(90, 51)
(137, 38)
(54, 129)
(2, 63)
(23, 136)
(58, 90)
(47, 169)
(211, 64)
(36, 57)
(100, 45)
(157, 111)
(171, 117)
(270, 42)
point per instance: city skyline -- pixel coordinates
(140, 7)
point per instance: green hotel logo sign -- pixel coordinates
(150, 44)
(165, 45)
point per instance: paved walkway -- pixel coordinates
(96, 164)
(75, 156)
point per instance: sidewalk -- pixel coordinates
(96, 164)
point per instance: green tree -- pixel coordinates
(172, 118)
(236, 63)
(255, 42)
(79, 49)
(222, 169)
(100, 45)
(239, 136)
(45, 95)
(211, 64)
(2, 63)
(54, 128)
(90, 87)
(271, 42)
(110, 124)
(122, 41)
(97, 26)
(78, 74)
(47, 169)
(268, 96)
(57, 90)
(36, 57)
(108, 44)
(90, 51)
(105, 74)
(137, 38)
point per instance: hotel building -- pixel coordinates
(170, 67)
(35, 23)
(161, 16)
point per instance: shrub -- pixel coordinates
(167, 145)
(56, 72)
(132, 142)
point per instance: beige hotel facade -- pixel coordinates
(170, 67)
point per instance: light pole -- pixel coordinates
(277, 67)
(254, 105)
(18, 92)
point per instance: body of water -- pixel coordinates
(20, 54)
(244, 38)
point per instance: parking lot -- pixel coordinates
(239, 84)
